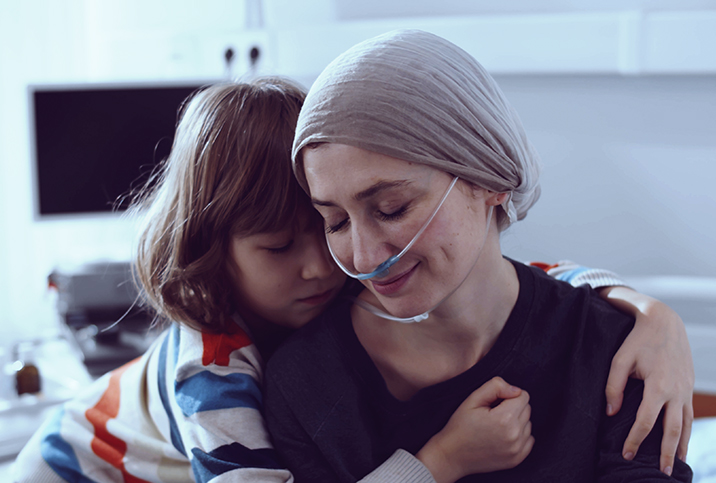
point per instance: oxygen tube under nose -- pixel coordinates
(383, 269)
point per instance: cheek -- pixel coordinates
(266, 293)
(452, 236)
(448, 227)
(269, 276)
(257, 278)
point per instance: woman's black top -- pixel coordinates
(333, 419)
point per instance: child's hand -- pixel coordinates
(490, 431)
(657, 351)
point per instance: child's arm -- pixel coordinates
(611, 465)
(223, 377)
(490, 431)
(656, 351)
(209, 406)
(477, 438)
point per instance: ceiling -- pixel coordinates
(376, 9)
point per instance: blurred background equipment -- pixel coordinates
(98, 304)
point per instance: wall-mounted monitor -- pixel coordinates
(93, 144)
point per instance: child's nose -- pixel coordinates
(318, 263)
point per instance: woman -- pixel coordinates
(416, 162)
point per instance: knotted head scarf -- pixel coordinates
(415, 96)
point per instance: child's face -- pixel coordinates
(287, 277)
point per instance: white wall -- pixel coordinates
(629, 171)
(40, 41)
(629, 161)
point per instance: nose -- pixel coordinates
(318, 263)
(368, 251)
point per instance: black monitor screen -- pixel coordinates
(94, 145)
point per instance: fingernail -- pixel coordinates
(609, 409)
(628, 456)
(667, 470)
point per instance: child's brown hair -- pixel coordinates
(229, 172)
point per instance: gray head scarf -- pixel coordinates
(415, 96)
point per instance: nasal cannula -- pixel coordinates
(384, 268)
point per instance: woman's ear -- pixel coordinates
(496, 199)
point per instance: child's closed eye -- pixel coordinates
(280, 248)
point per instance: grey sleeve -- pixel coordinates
(400, 467)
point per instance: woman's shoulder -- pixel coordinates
(578, 329)
(557, 305)
(315, 350)
(312, 376)
(312, 341)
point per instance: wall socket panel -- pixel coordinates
(213, 49)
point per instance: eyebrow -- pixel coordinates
(368, 192)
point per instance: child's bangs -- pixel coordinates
(281, 209)
(250, 146)
(274, 200)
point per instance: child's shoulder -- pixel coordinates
(193, 351)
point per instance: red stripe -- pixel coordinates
(104, 444)
(544, 266)
(218, 347)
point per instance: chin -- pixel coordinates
(300, 320)
(421, 299)
(406, 310)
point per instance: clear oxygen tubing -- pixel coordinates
(420, 317)
(383, 269)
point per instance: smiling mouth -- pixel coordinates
(393, 284)
(393, 279)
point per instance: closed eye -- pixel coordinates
(396, 215)
(281, 249)
(337, 227)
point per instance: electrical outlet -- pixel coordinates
(251, 55)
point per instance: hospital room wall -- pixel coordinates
(629, 169)
(629, 161)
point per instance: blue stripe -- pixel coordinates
(163, 394)
(58, 453)
(570, 275)
(230, 457)
(207, 391)
(176, 337)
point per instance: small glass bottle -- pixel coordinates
(27, 376)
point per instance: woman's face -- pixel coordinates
(287, 277)
(373, 205)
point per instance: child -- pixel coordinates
(230, 247)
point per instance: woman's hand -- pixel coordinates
(657, 351)
(490, 431)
